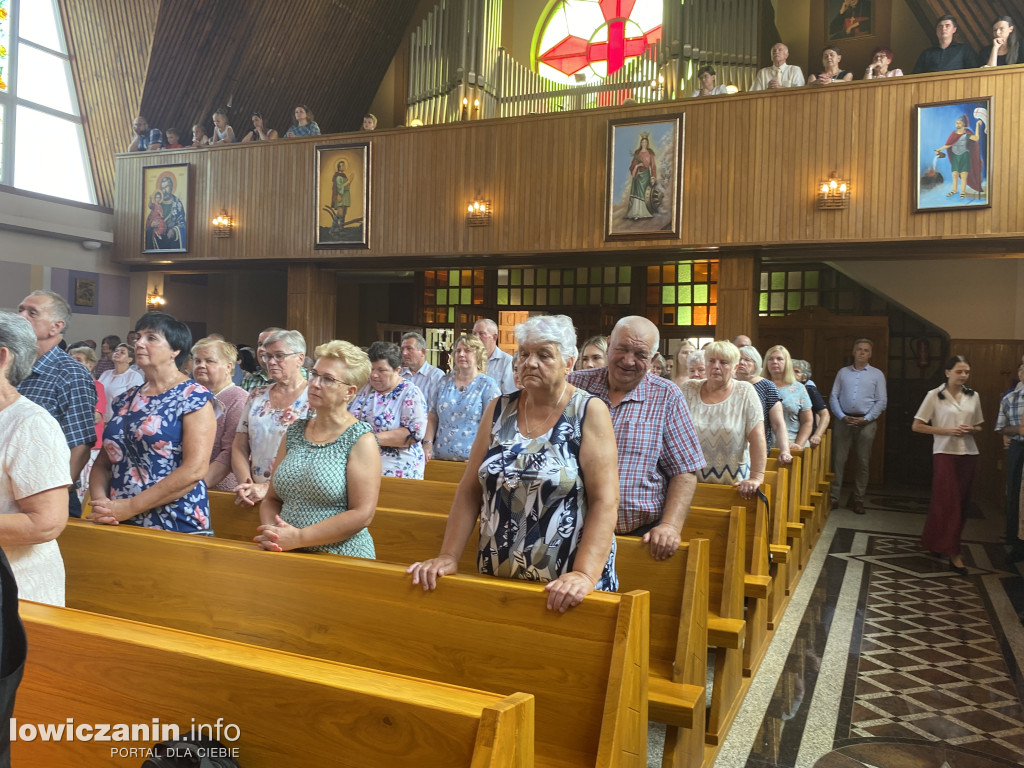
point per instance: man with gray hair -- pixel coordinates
(499, 363)
(416, 368)
(659, 453)
(60, 384)
(857, 401)
(259, 378)
(779, 74)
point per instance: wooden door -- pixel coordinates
(826, 341)
(993, 370)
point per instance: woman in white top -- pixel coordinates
(120, 379)
(951, 414)
(706, 76)
(729, 422)
(35, 472)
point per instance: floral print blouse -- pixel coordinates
(402, 407)
(266, 426)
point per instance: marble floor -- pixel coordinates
(887, 659)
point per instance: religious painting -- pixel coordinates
(952, 150)
(645, 172)
(847, 19)
(165, 220)
(343, 196)
(85, 293)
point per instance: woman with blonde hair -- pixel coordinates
(327, 475)
(729, 422)
(796, 403)
(213, 363)
(593, 353)
(682, 371)
(454, 415)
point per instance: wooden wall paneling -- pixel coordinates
(311, 303)
(109, 45)
(752, 163)
(737, 297)
(993, 371)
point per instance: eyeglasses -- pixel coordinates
(325, 380)
(279, 357)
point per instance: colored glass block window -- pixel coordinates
(548, 289)
(793, 288)
(684, 294)
(445, 289)
(584, 41)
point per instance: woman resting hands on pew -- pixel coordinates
(268, 412)
(34, 472)
(775, 433)
(729, 421)
(327, 475)
(157, 444)
(524, 480)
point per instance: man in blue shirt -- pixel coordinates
(146, 139)
(60, 384)
(857, 401)
(1010, 424)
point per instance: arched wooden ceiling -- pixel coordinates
(176, 61)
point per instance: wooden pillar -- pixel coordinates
(738, 283)
(312, 304)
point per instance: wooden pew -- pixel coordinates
(718, 618)
(780, 544)
(587, 668)
(289, 710)
(445, 471)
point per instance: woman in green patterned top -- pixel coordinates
(324, 489)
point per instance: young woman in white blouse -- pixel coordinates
(952, 415)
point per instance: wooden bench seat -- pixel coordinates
(587, 668)
(322, 713)
(445, 471)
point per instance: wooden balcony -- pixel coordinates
(751, 166)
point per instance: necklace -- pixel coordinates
(511, 477)
(552, 409)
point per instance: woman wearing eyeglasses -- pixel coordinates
(268, 412)
(324, 489)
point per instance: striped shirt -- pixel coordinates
(66, 389)
(656, 441)
(426, 379)
(1011, 411)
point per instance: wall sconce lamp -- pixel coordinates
(833, 193)
(223, 225)
(154, 301)
(478, 213)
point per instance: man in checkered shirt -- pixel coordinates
(658, 449)
(60, 384)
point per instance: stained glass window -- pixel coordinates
(38, 105)
(584, 41)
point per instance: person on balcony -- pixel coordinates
(831, 73)
(1005, 46)
(304, 124)
(706, 76)
(947, 55)
(881, 60)
(779, 74)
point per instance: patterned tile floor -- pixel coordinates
(886, 658)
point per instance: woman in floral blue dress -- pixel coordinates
(459, 403)
(396, 410)
(156, 448)
(539, 521)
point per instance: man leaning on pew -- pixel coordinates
(658, 449)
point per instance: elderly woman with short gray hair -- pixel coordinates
(538, 520)
(268, 412)
(34, 473)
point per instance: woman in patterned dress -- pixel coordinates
(459, 403)
(156, 447)
(729, 422)
(268, 412)
(327, 477)
(776, 435)
(396, 410)
(525, 480)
